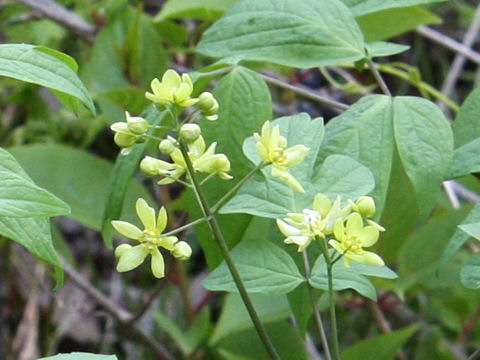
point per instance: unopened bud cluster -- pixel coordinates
(130, 132)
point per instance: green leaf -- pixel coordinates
(20, 197)
(425, 145)
(235, 334)
(286, 32)
(80, 178)
(399, 20)
(234, 317)
(372, 270)
(365, 133)
(466, 159)
(466, 133)
(245, 104)
(381, 347)
(129, 98)
(362, 7)
(466, 127)
(264, 268)
(121, 177)
(460, 236)
(382, 48)
(301, 306)
(471, 229)
(197, 9)
(422, 251)
(188, 340)
(264, 195)
(470, 273)
(79, 356)
(38, 66)
(343, 278)
(34, 234)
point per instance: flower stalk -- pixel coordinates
(218, 236)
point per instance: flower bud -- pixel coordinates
(149, 166)
(365, 205)
(124, 140)
(182, 251)
(208, 106)
(166, 146)
(137, 125)
(190, 132)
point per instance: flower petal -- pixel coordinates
(339, 230)
(372, 259)
(157, 264)
(146, 214)
(127, 229)
(171, 79)
(121, 249)
(337, 246)
(354, 223)
(168, 242)
(162, 219)
(296, 154)
(322, 204)
(286, 229)
(368, 235)
(288, 179)
(131, 258)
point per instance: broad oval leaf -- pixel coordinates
(362, 7)
(343, 278)
(264, 268)
(425, 144)
(34, 234)
(365, 133)
(381, 347)
(197, 9)
(20, 197)
(470, 273)
(39, 66)
(302, 34)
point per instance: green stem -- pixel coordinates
(216, 72)
(333, 316)
(218, 236)
(235, 188)
(316, 312)
(378, 77)
(421, 85)
(185, 227)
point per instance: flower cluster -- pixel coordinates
(272, 148)
(344, 227)
(150, 240)
(204, 160)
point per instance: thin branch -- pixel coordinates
(122, 316)
(475, 355)
(449, 43)
(64, 17)
(378, 77)
(459, 61)
(304, 91)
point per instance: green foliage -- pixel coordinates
(362, 7)
(287, 33)
(45, 67)
(381, 347)
(203, 9)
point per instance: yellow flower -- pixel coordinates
(173, 89)
(352, 236)
(129, 133)
(150, 239)
(302, 228)
(272, 148)
(203, 160)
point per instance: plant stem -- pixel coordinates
(378, 77)
(316, 312)
(235, 188)
(218, 236)
(333, 316)
(185, 227)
